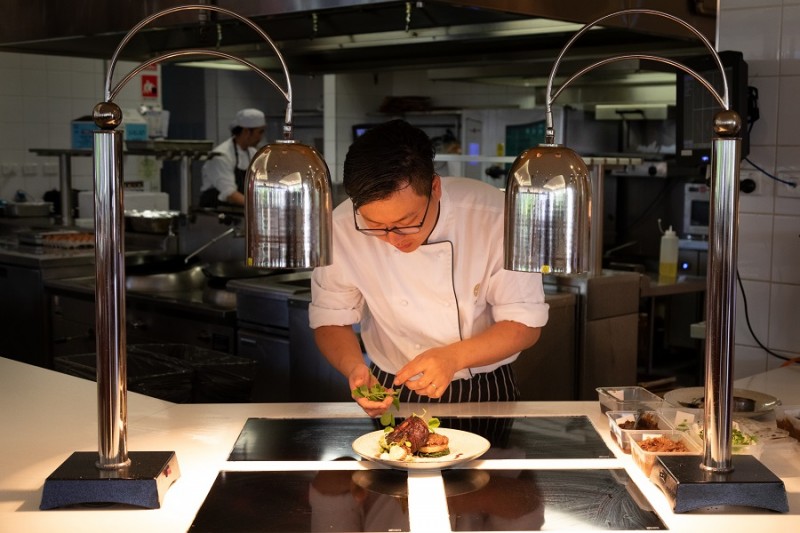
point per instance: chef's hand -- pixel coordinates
(360, 375)
(429, 373)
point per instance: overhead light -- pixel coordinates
(218, 65)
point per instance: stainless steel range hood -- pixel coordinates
(325, 36)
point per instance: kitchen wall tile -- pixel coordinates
(790, 41)
(35, 109)
(786, 251)
(757, 295)
(59, 112)
(762, 199)
(750, 4)
(789, 118)
(764, 129)
(783, 331)
(10, 82)
(748, 360)
(755, 246)
(752, 31)
(787, 201)
(34, 82)
(59, 83)
(13, 113)
(10, 61)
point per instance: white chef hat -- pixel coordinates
(249, 118)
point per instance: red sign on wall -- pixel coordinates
(149, 86)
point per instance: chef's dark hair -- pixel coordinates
(387, 158)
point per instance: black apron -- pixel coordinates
(210, 197)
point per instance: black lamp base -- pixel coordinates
(142, 483)
(689, 487)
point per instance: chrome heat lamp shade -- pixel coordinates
(548, 200)
(289, 204)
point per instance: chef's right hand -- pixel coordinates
(359, 376)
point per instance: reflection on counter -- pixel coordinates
(545, 437)
(327, 500)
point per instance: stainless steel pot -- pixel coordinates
(151, 221)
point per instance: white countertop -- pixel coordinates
(45, 416)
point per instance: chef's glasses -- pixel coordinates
(400, 230)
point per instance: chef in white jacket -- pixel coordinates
(418, 263)
(223, 174)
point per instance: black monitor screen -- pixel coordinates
(696, 106)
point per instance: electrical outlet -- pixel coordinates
(756, 178)
(30, 169)
(49, 169)
(792, 176)
(9, 169)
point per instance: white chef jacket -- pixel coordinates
(451, 288)
(218, 171)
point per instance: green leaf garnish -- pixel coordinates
(377, 393)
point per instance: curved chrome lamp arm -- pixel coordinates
(550, 136)
(287, 93)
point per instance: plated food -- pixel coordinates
(413, 449)
(414, 437)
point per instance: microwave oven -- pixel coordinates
(696, 209)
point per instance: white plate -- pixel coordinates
(464, 446)
(764, 403)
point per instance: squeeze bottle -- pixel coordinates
(668, 258)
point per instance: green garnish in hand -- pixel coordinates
(377, 393)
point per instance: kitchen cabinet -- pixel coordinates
(25, 327)
(175, 318)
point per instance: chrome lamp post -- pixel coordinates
(547, 229)
(288, 225)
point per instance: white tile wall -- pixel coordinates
(755, 246)
(39, 96)
(769, 231)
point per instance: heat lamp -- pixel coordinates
(288, 214)
(546, 230)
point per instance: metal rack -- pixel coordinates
(167, 150)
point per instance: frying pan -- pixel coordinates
(151, 264)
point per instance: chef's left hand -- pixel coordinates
(435, 369)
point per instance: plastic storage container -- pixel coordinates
(639, 422)
(627, 399)
(787, 418)
(146, 374)
(668, 256)
(217, 377)
(645, 459)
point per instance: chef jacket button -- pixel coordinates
(404, 303)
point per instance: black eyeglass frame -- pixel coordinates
(399, 230)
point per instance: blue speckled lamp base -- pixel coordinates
(688, 487)
(143, 483)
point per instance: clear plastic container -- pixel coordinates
(637, 422)
(754, 447)
(787, 418)
(630, 398)
(645, 459)
(680, 418)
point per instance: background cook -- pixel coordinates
(223, 175)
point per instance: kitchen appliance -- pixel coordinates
(696, 210)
